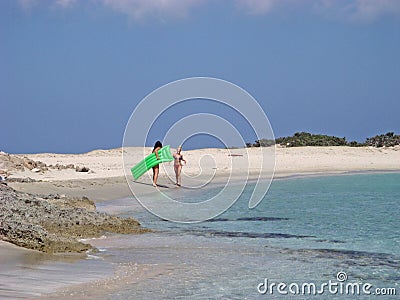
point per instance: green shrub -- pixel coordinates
(384, 140)
(308, 139)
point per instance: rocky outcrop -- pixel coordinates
(54, 223)
(9, 163)
(82, 169)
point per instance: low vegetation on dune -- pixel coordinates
(384, 140)
(308, 139)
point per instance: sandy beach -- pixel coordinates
(289, 161)
(106, 179)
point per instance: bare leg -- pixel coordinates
(155, 175)
(178, 175)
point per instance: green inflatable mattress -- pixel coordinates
(150, 161)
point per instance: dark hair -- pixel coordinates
(157, 144)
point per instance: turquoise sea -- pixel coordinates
(306, 230)
(337, 233)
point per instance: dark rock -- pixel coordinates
(53, 225)
(22, 180)
(82, 169)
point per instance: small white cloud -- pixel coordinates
(27, 4)
(369, 10)
(65, 3)
(140, 9)
(30, 4)
(356, 10)
(256, 7)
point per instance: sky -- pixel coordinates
(73, 71)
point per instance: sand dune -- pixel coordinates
(288, 161)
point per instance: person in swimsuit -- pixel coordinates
(178, 163)
(156, 169)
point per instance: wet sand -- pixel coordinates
(108, 183)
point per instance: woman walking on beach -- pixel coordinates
(178, 163)
(156, 169)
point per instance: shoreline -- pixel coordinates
(112, 188)
(105, 185)
(107, 181)
(132, 273)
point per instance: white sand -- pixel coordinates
(108, 182)
(289, 161)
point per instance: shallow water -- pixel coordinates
(306, 230)
(26, 274)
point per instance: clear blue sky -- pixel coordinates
(72, 71)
